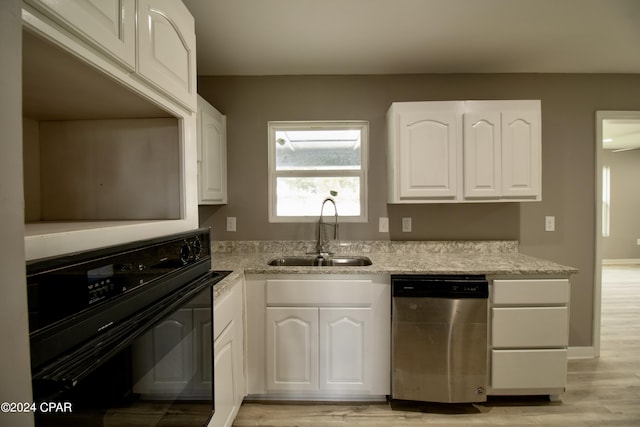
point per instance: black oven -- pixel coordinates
(124, 335)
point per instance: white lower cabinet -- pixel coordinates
(529, 336)
(318, 337)
(315, 349)
(228, 355)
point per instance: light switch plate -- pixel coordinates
(383, 224)
(549, 223)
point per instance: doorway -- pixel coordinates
(617, 135)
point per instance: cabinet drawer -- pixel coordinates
(535, 291)
(319, 292)
(529, 327)
(519, 369)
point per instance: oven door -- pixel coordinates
(155, 369)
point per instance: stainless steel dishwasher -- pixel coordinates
(439, 338)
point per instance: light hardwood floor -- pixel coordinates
(600, 392)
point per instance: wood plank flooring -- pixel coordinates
(600, 392)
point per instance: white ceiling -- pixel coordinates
(280, 37)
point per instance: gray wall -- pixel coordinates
(625, 205)
(569, 103)
(15, 373)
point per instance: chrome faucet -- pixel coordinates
(320, 244)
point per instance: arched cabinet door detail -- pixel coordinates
(345, 343)
(482, 155)
(292, 348)
(167, 49)
(428, 152)
(521, 154)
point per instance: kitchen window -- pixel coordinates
(310, 161)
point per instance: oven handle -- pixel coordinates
(66, 371)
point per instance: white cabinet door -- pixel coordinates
(167, 49)
(225, 349)
(428, 147)
(163, 357)
(482, 155)
(345, 348)
(212, 155)
(106, 24)
(292, 348)
(521, 161)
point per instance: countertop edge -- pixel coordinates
(492, 264)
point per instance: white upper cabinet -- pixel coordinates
(212, 155)
(423, 151)
(157, 40)
(502, 150)
(167, 48)
(464, 151)
(107, 24)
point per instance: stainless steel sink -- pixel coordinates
(309, 261)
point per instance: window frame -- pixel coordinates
(362, 173)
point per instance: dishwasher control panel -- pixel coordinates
(449, 286)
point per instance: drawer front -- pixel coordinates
(534, 291)
(529, 327)
(319, 292)
(519, 369)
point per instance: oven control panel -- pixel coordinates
(61, 287)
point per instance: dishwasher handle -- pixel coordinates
(456, 287)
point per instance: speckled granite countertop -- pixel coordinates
(432, 257)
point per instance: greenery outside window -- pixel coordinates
(310, 161)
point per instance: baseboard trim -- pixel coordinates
(576, 353)
(624, 261)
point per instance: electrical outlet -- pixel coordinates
(383, 225)
(549, 223)
(231, 223)
(406, 225)
(638, 242)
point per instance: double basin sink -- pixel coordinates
(320, 261)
